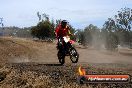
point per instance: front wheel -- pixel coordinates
(74, 56)
(61, 57)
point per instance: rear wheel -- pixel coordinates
(61, 57)
(74, 56)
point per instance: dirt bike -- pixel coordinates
(65, 48)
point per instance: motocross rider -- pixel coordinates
(62, 30)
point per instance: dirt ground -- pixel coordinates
(33, 64)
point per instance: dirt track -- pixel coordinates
(31, 64)
(25, 50)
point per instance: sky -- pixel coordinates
(79, 13)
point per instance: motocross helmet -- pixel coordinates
(64, 23)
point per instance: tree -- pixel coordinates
(80, 36)
(123, 22)
(110, 36)
(124, 19)
(92, 35)
(44, 29)
(118, 29)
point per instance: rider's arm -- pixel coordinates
(68, 29)
(69, 32)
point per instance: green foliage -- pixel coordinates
(44, 29)
(111, 41)
(16, 31)
(124, 25)
(115, 30)
(89, 36)
(92, 33)
(124, 19)
(80, 36)
(109, 31)
(118, 30)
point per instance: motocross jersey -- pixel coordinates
(61, 32)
